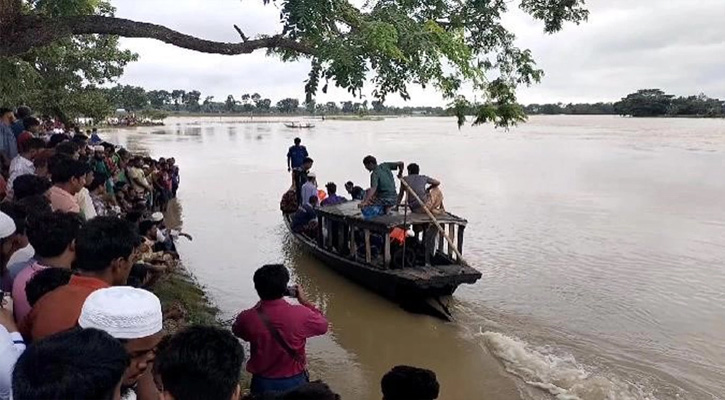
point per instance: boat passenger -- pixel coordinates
(356, 192)
(299, 177)
(332, 197)
(305, 219)
(382, 194)
(309, 189)
(427, 190)
(296, 155)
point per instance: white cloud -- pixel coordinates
(676, 45)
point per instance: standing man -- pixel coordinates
(299, 177)
(296, 155)
(278, 332)
(20, 114)
(309, 189)
(382, 193)
(8, 142)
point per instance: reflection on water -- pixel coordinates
(600, 241)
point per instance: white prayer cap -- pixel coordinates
(311, 175)
(157, 217)
(123, 312)
(7, 226)
(99, 148)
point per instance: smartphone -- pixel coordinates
(291, 291)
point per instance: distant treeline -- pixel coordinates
(643, 103)
(158, 103)
(138, 100)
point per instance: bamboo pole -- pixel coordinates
(435, 221)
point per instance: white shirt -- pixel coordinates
(11, 347)
(83, 198)
(308, 190)
(19, 166)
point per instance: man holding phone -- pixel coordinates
(278, 332)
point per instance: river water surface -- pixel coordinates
(601, 241)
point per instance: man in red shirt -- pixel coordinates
(105, 251)
(278, 332)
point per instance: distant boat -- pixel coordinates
(299, 125)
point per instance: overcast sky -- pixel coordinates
(675, 45)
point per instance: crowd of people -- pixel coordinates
(82, 245)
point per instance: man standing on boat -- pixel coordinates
(382, 194)
(299, 177)
(296, 155)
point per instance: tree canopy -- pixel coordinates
(451, 45)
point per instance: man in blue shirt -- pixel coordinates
(8, 143)
(296, 155)
(18, 127)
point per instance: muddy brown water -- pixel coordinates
(601, 241)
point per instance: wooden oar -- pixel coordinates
(435, 220)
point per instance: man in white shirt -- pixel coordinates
(23, 163)
(309, 189)
(11, 347)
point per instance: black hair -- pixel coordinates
(29, 121)
(63, 169)
(67, 147)
(29, 185)
(145, 226)
(200, 363)
(45, 281)
(331, 188)
(298, 140)
(32, 144)
(35, 205)
(308, 160)
(23, 112)
(404, 383)
(51, 234)
(79, 138)
(349, 183)
(313, 199)
(271, 281)
(57, 139)
(18, 214)
(76, 364)
(102, 240)
(118, 186)
(137, 276)
(316, 390)
(413, 169)
(99, 180)
(4, 110)
(134, 216)
(369, 160)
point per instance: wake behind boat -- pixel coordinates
(412, 270)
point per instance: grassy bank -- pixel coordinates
(184, 300)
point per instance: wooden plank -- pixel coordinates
(340, 238)
(328, 238)
(320, 221)
(451, 233)
(386, 258)
(368, 253)
(353, 246)
(461, 228)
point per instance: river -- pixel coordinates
(601, 241)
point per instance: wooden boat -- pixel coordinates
(413, 275)
(299, 125)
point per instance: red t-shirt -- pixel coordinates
(59, 310)
(295, 324)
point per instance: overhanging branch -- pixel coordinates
(33, 31)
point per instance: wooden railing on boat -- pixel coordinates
(338, 228)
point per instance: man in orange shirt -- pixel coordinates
(106, 249)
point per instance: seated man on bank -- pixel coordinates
(382, 195)
(305, 219)
(278, 332)
(426, 188)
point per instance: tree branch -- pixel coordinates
(239, 31)
(32, 31)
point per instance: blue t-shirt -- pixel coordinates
(297, 154)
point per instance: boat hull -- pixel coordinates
(410, 288)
